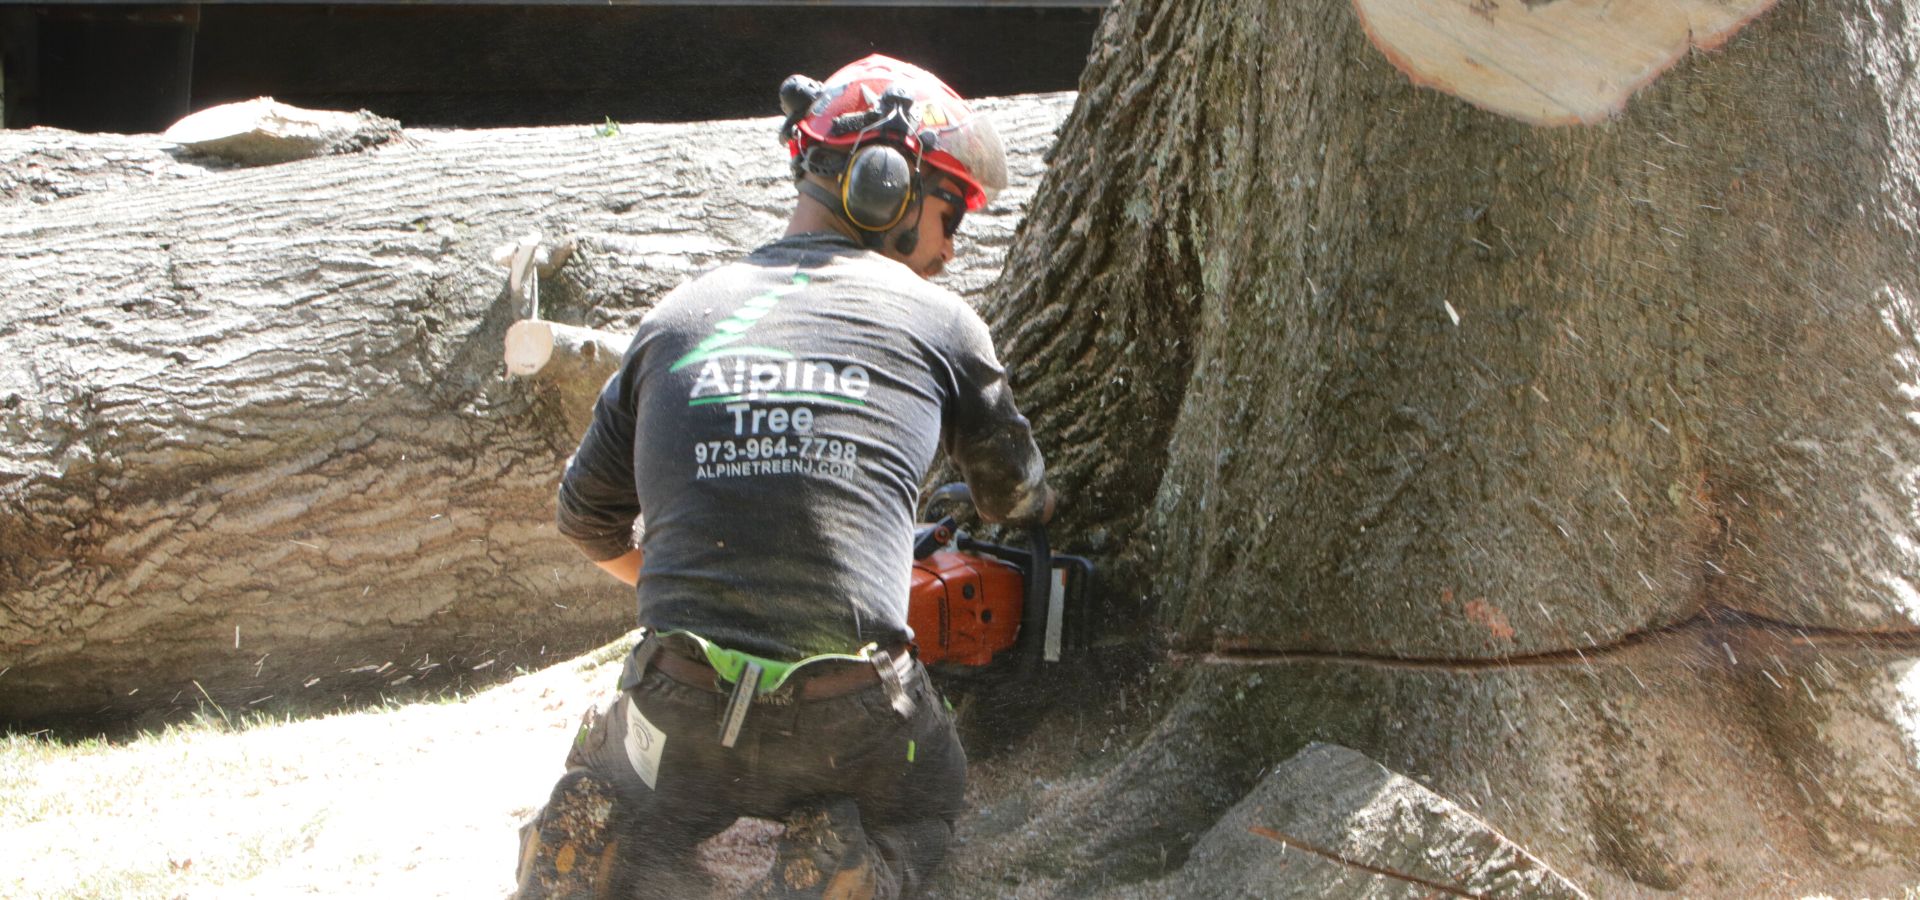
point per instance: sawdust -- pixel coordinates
(417, 801)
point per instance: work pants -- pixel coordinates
(906, 774)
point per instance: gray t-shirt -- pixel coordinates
(773, 420)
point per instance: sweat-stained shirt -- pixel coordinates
(772, 420)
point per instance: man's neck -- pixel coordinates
(810, 216)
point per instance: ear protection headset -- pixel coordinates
(879, 186)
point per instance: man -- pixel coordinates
(773, 419)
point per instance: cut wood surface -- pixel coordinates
(1332, 823)
(254, 426)
(264, 131)
(534, 345)
(573, 362)
(1547, 62)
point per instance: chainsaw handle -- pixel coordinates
(1031, 646)
(1033, 614)
(954, 492)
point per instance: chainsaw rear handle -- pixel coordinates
(955, 492)
(1031, 647)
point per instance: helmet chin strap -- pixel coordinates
(872, 240)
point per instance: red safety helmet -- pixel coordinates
(943, 131)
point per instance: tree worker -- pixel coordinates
(773, 419)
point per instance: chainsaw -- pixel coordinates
(976, 605)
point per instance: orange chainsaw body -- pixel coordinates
(963, 608)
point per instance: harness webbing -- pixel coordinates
(730, 664)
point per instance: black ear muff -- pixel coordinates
(877, 187)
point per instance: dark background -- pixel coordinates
(92, 67)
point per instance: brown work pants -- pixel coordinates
(906, 774)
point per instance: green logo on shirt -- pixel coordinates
(766, 373)
(734, 327)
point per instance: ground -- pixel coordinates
(416, 800)
(410, 801)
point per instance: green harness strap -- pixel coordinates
(773, 672)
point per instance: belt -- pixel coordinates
(693, 661)
(834, 679)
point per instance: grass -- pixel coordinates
(401, 800)
(91, 819)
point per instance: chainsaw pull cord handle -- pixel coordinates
(1033, 615)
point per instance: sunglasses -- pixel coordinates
(957, 204)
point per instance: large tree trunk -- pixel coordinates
(254, 430)
(1571, 470)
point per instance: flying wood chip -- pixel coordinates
(1547, 62)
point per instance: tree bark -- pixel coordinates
(254, 433)
(1569, 469)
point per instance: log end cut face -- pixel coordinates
(1547, 62)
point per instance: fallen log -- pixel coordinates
(254, 430)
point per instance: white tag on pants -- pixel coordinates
(644, 744)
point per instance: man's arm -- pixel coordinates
(626, 568)
(987, 437)
(598, 505)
